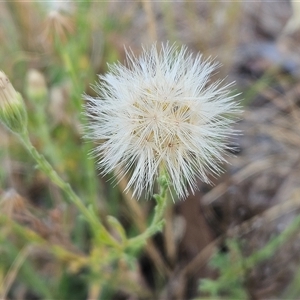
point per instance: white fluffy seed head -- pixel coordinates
(161, 111)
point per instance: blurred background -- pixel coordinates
(237, 239)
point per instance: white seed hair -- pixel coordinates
(161, 111)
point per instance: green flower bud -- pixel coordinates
(12, 109)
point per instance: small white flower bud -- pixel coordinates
(36, 86)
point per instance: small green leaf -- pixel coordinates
(117, 226)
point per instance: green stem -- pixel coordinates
(99, 230)
(158, 218)
(78, 85)
(55, 178)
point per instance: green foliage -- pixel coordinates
(71, 284)
(233, 267)
(230, 281)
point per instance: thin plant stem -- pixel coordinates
(150, 19)
(55, 178)
(99, 230)
(159, 210)
(78, 88)
(138, 217)
(95, 290)
(12, 272)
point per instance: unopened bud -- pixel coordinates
(12, 109)
(36, 86)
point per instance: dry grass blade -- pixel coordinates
(13, 272)
(246, 172)
(202, 258)
(269, 215)
(148, 7)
